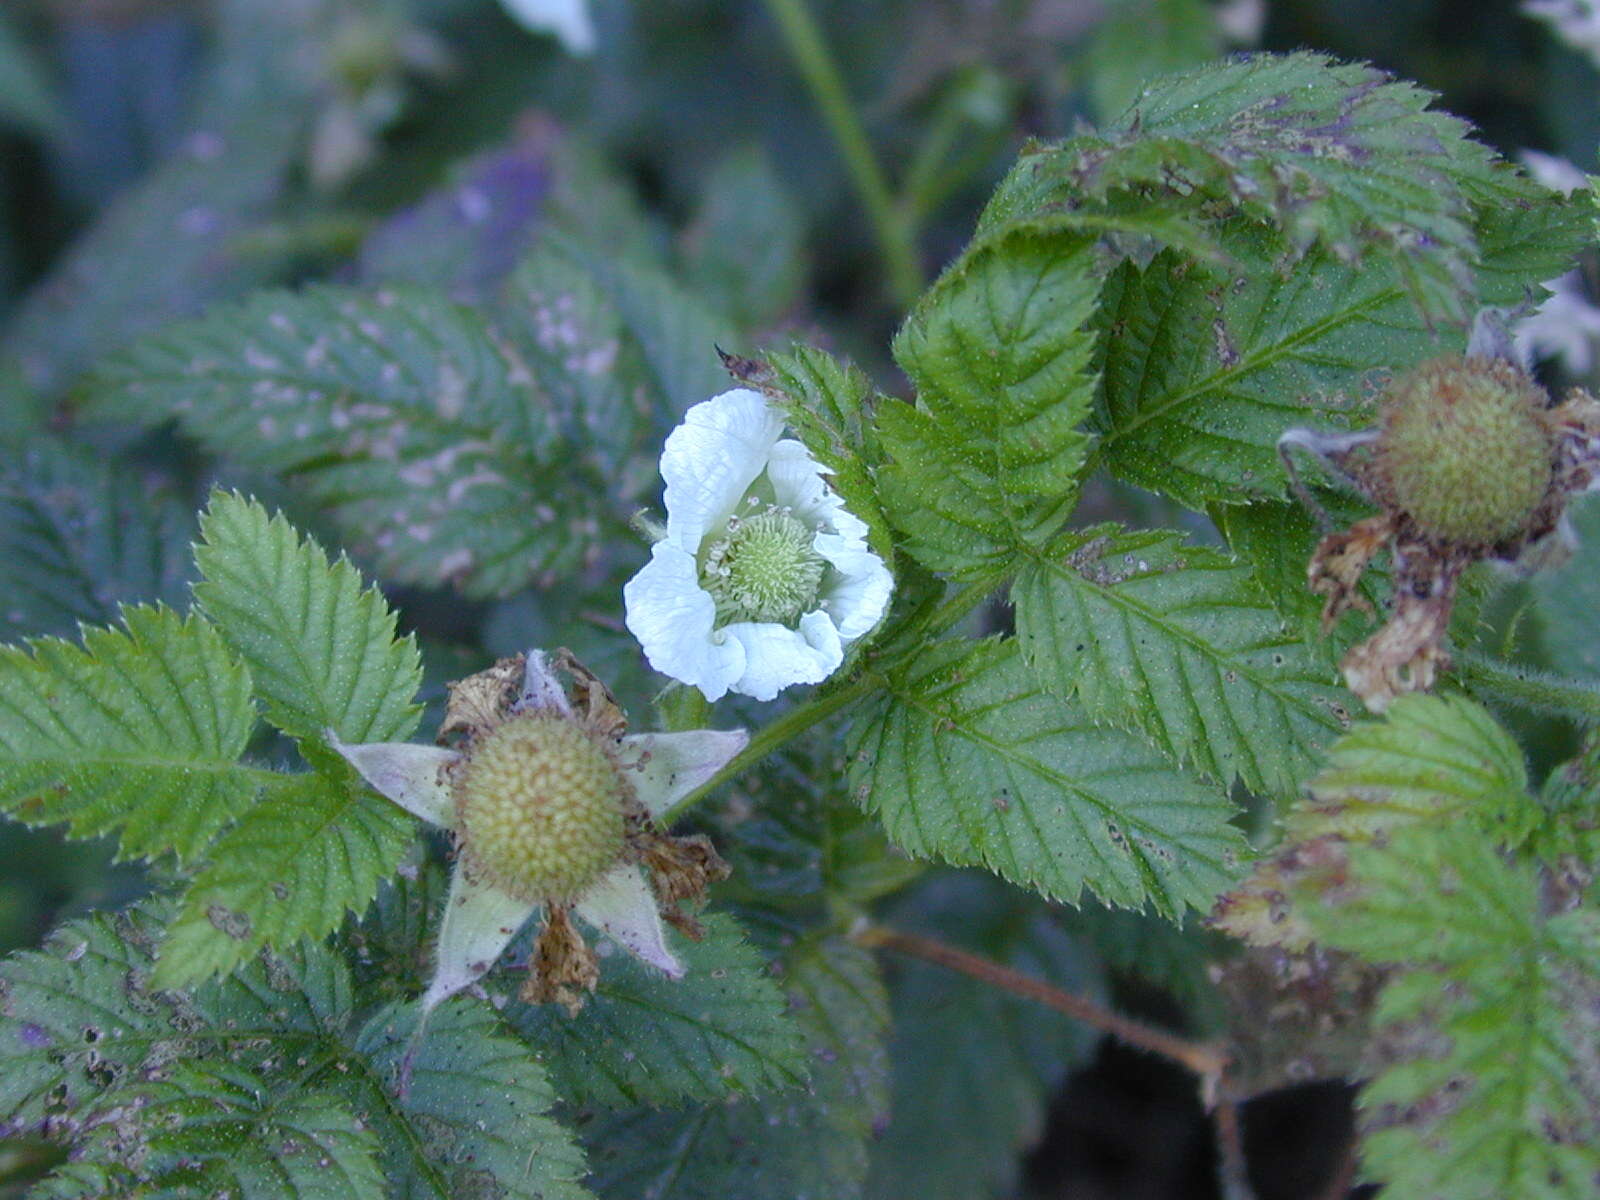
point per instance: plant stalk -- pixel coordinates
(767, 739)
(1529, 688)
(896, 239)
(1204, 1060)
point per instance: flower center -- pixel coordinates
(763, 568)
(539, 807)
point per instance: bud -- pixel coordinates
(539, 807)
(1465, 449)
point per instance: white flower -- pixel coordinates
(558, 773)
(762, 578)
(567, 19)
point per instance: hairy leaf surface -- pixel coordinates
(400, 412)
(1487, 1090)
(788, 1144)
(1179, 643)
(292, 867)
(263, 1080)
(482, 1097)
(138, 732)
(321, 647)
(1431, 758)
(986, 460)
(1334, 156)
(721, 1030)
(80, 535)
(966, 757)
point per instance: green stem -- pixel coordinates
(1528, 688)
(787, 727)
(896, 240)
(796, 721)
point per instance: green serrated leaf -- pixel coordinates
(721, 1030)
(1178, 643)
(1431, 759)
(986, 461)
(1485, 1090)
(967, 758)
(76, 1018)
(787, 1145)
(829, 405)
(292, 867)
(676, 333)
(213, 1127)
(270, 1054)
(481, 1096)
(1204, 370)
(974, 1067)
(1277, 539)
(79, 534)
(1571, 801)
(139, 732)
(424, 439)
(1334, 156)
(322, 649)
(592, 373)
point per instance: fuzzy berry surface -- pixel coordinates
(539, 806)
(1465, 448)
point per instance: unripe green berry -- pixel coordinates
(1465, 448)
(539, 807)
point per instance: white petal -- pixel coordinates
(406, 773)
(567, 19)
(669, 766)
(858, 589)
(623, 906)
(672, 617)
(776, 657)
(478, 922)
(710, 461)
(798, 485)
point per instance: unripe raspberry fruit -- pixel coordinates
(539, 806)
(1465, 448)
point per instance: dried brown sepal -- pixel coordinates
(592, 700)
(1407, 654)
(480, 702)
(753, 372)
(564, 969)
(1261, 910)
(1340, 560)
(681, 868)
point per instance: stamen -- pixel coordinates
(764, 568)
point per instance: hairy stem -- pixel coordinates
(1204, 1060)
(896, 239)
(1529, 688)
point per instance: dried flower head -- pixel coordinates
(1469, 461)
(552, 806)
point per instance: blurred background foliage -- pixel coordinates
(159, 157)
